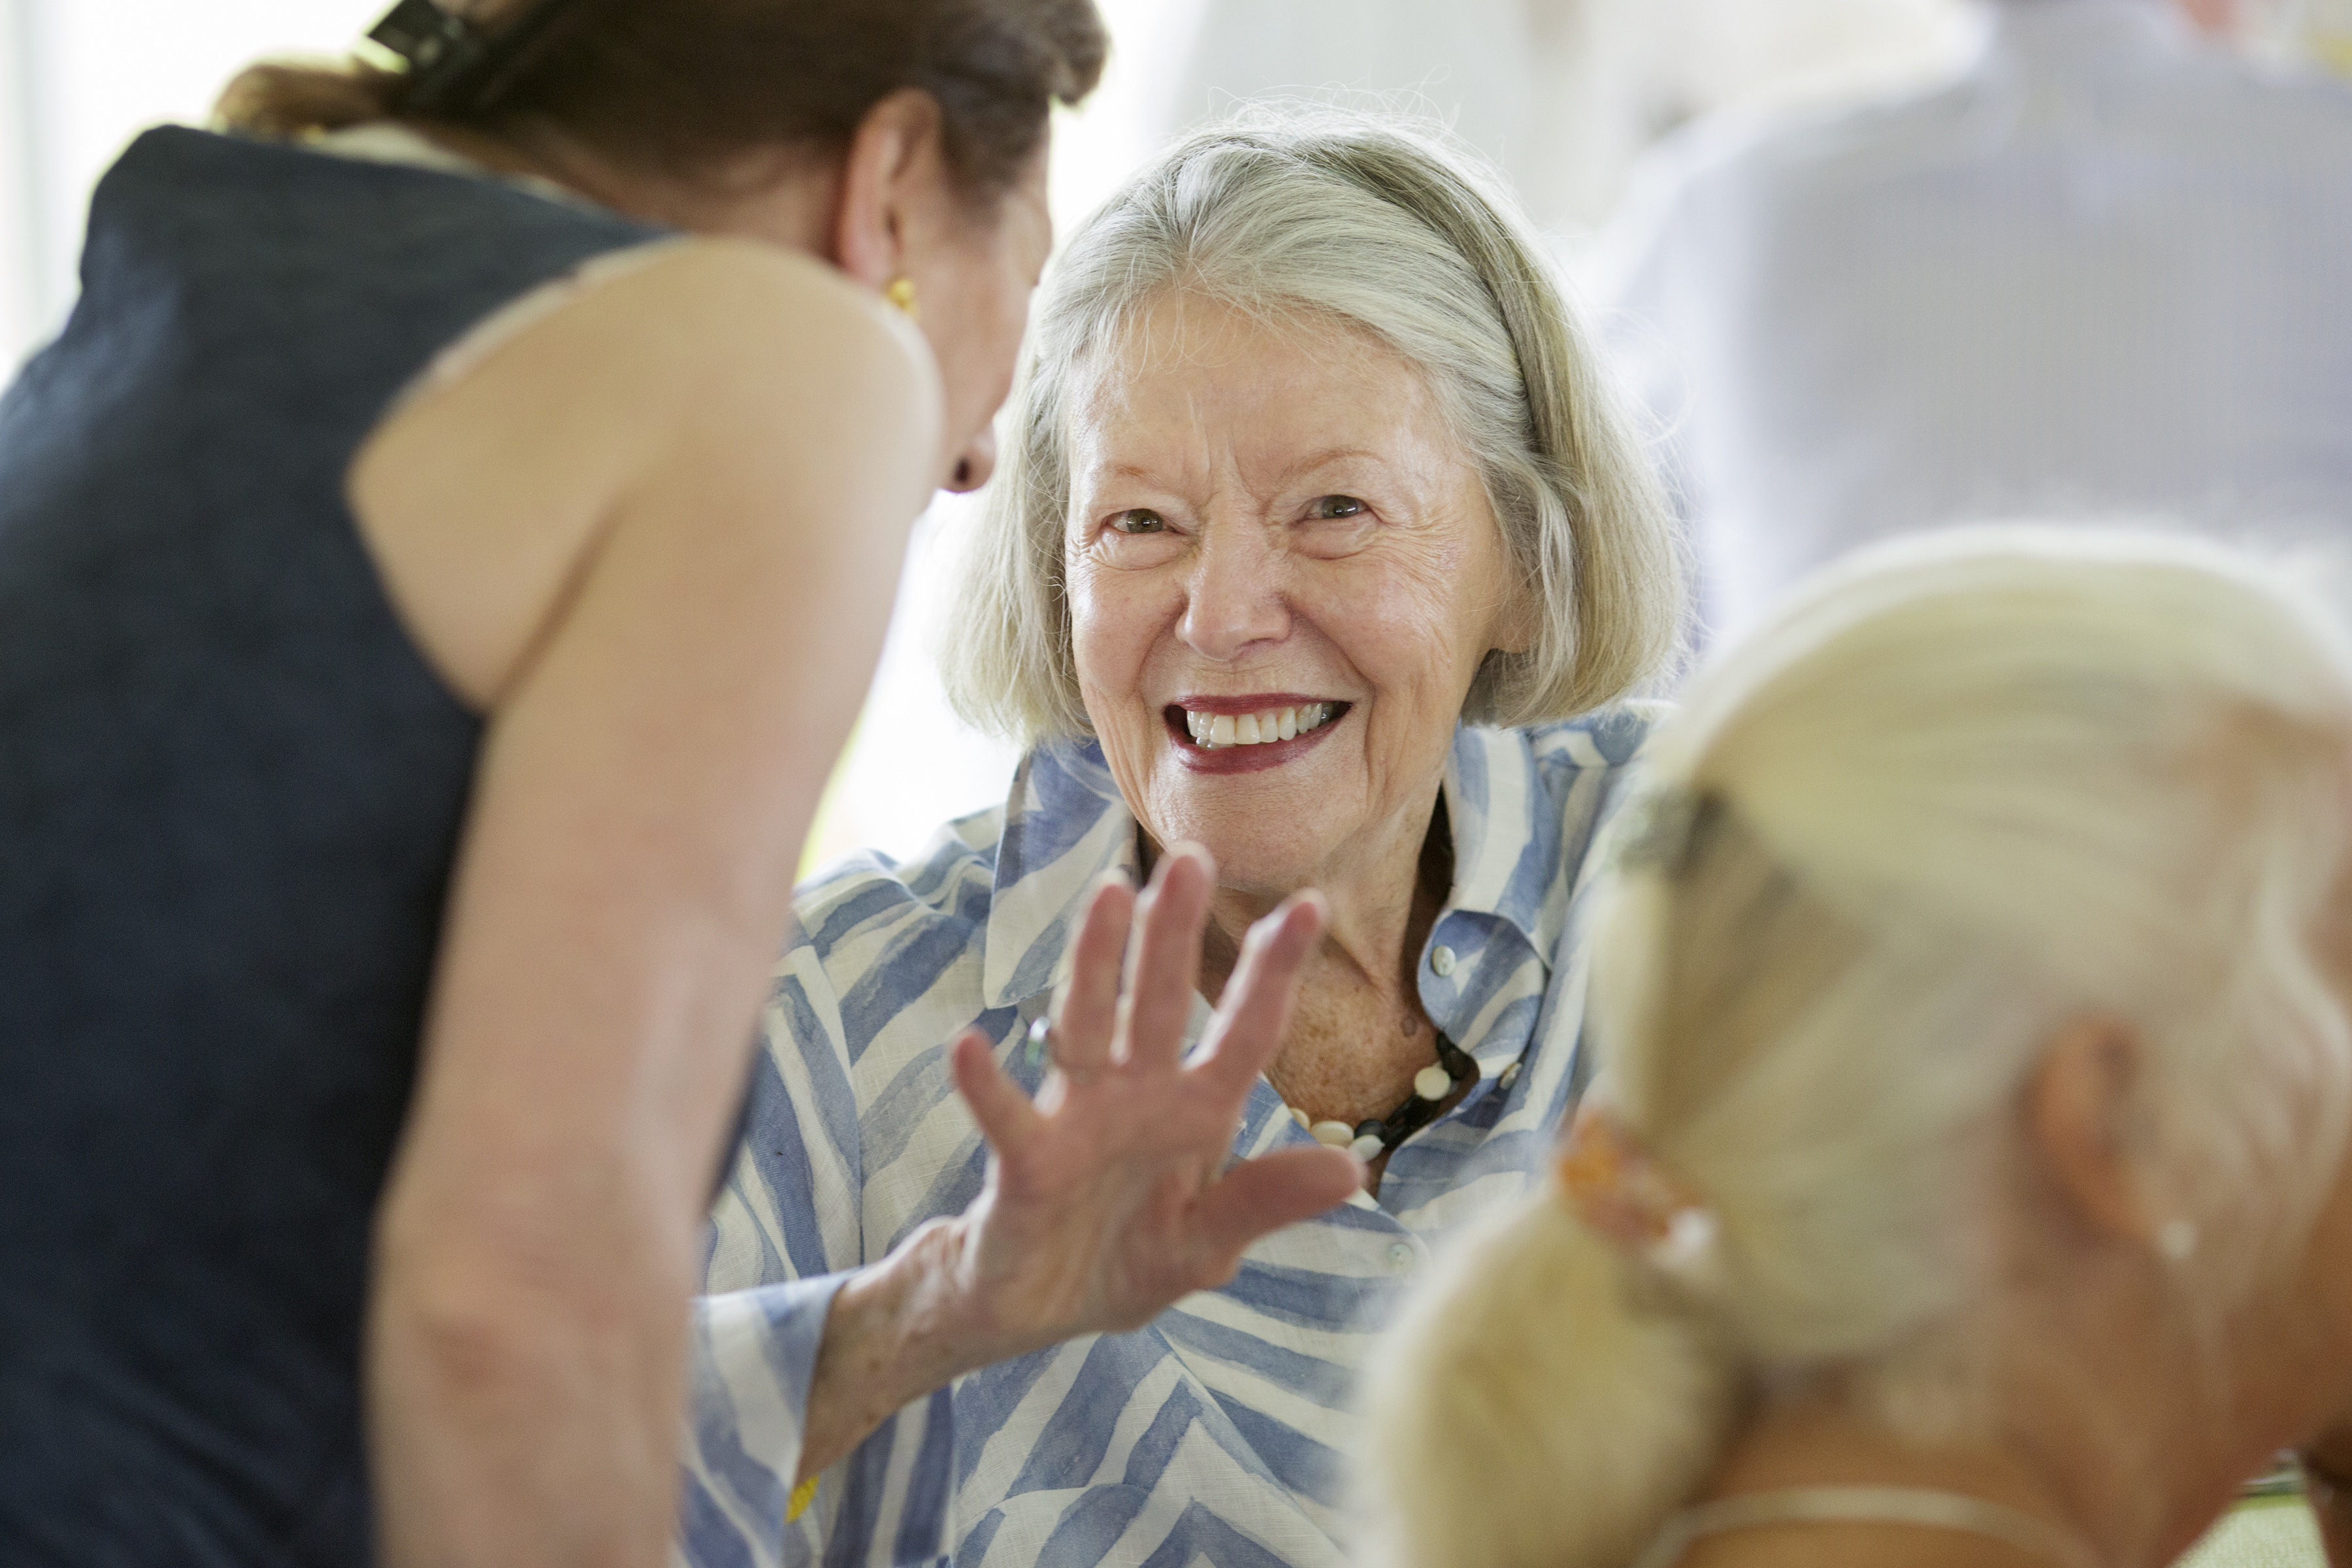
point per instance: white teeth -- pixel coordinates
(1211, 729)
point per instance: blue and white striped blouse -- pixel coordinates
(1212, 1435)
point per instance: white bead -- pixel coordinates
(1296, 1115)
(1432, 1083)
(1441, 961)
(1367, 1148)
(1337, 1134)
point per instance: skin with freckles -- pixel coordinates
(1264, 517)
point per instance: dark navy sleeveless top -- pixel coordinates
(230, 791)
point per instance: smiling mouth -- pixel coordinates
(1220, 732)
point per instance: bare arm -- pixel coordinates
(652, 757)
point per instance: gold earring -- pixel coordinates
(901, 293)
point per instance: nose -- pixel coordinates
(979, 461)
(1235, 601)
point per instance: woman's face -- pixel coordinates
(1273, 530)
(972, 279)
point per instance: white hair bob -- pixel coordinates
(1962, 792)
(1304, 218)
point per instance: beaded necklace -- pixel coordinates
(1369, 1139)
(1376, 1136)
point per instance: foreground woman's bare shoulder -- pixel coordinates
(758, 387)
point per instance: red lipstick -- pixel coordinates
(1247, 759)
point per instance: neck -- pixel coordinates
(1814, 1442)
(1358, 1033)
(2081, 1436)
(1384, 890)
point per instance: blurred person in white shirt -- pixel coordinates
(2101, 269)
(1560, 95)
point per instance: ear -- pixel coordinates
(895, 162)
(2082, 1113)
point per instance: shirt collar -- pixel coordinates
(1506, 837)
(1066, 825)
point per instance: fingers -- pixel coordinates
(1164, 959)
(1006, 1118)
(1088, 1017)
(1264, 1195)
(1256, 1008)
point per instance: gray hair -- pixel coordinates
(1308, 217)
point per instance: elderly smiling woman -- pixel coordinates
(1317, 557)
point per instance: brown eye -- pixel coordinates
(1140, 521)
(1337, 505)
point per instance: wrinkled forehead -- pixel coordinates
(1185, 379)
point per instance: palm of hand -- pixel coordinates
(1111, 1198)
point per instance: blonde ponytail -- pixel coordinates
(1491, 1446)
(1966, 791)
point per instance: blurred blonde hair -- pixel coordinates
(1303, 217)
(1962, 792)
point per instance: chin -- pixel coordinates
(1255, 856)
(1270, 832)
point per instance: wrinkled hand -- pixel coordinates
(1110, 1197)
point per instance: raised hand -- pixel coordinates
(1110, 1196)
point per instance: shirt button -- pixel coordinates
(1441, 961)
(1401, 1257)
(1510, 1074)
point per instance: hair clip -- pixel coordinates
(1612, 1184)
(452, 65)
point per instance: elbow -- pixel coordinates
(483, 1307)
(466, 1330)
